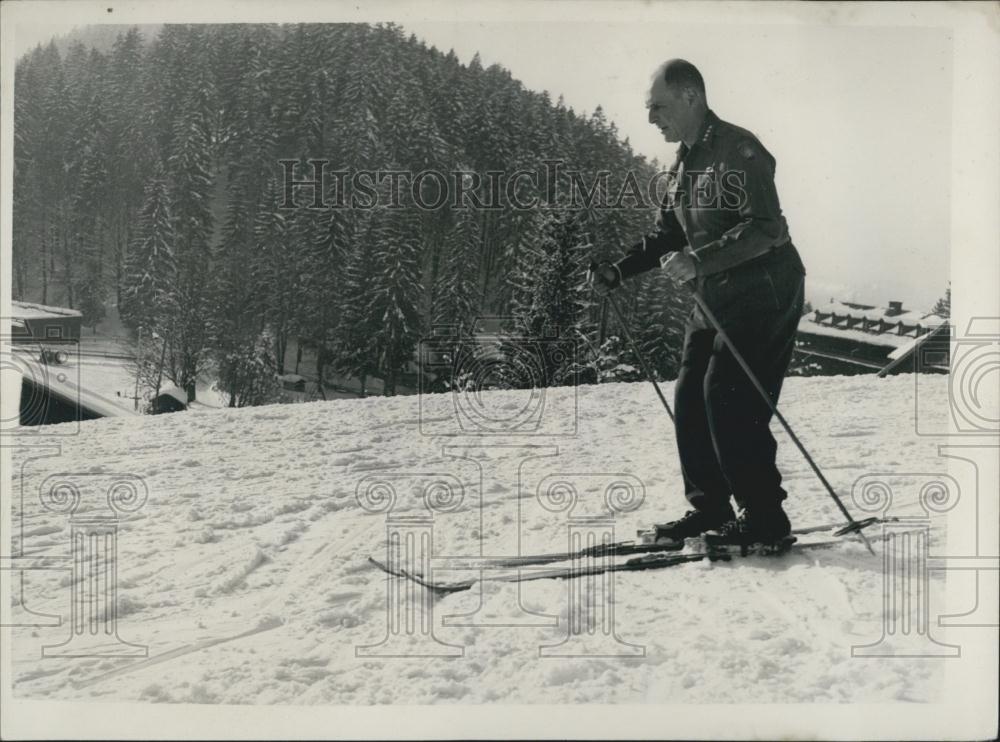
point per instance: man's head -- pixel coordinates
(676, 100)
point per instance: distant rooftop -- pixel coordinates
(23, 310)
(891, 326)
(847, 338)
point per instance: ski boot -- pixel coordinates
(764, 532)
(692, 523)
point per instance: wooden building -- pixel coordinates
(38, 323)
(846, 338)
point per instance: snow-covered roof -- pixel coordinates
(25, 310)
(809, 326)
(888, 336)
(909, 316)
(176, 392)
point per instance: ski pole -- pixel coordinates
(642, 360)
(852, 524)
(635, 348)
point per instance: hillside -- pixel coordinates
(171, 157)
(245, 572)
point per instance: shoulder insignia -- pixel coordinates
(747, 150)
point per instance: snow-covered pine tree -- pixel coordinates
(249, 374)
(30, 224)
(455, 295)
(455, 300)
(53, 163)
(72, 148)
(942, 307)
(299, 61)
(615, 361)
(525, 231)
(241, 276)
(657, 320)
(191, 179)
(409, 132)
(396, 287)
(550, 298)
(250, 258)
(342, 323)
(446, 87)
(150, 272)
(148, 281)
(91, 194)
(131, 153)
(352, 349)
(322, 246)
(166, 81)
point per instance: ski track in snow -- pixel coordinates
(245, 573)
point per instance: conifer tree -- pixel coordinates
(29, 221)
(550, 297)
(942, 307)
(129, 151)
(150, 273)
(248, 374)
(396, 288)
(352, 344)
(191, 181)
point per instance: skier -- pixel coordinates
(720, 229)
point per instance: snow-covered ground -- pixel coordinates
(245, 571)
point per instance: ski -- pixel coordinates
(641, 562)
(636, 547)
(635, 564)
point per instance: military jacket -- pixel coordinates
(720, 203)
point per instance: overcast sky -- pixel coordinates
(858, 119)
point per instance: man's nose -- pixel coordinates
(651, 116)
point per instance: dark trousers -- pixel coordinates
(723, 433)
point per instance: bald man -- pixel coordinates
(720, 229)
